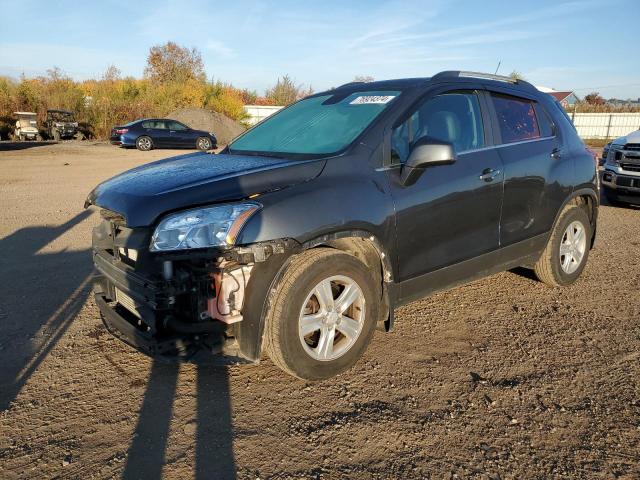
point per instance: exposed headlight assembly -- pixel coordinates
(202, 227)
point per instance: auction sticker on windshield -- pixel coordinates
(369, 99)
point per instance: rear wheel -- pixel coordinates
(323, 314)
(144, 144)
(567, 250)
(203, 143)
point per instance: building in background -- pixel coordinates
(566, 98)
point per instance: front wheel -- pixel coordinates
(144, 144)
(204, 144)
(323, 314)
(567, 250)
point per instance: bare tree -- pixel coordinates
(111, 74)
(172, 63)
(594, 98)
(363, 78)
(516, 75)
(285, 91)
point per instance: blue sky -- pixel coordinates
(575, 45)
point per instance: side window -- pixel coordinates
(146, 125)
(173, 125)
(159, 124)
(516, 118)
(453, 117)
(547, 127)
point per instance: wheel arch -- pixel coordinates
(586, 198)
(267, 275)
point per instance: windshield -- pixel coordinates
(318, 125)
(62, 116)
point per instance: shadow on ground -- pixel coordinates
(41, 294)
(8, 146)
(213, 426)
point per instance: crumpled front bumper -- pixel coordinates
(133, 308)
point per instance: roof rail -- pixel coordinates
(480, 75)
(358, 82)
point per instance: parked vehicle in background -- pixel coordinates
(60, 124)
(26, 126)
(605, 154)
(307, 231)
(621, 177)
(152, 133)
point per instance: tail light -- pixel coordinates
(120, 131)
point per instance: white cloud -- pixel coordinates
(220, 49)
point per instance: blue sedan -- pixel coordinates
(152, 133)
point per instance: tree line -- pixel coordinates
(174, 78)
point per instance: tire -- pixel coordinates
(557, 267)
(204, 144)
(144, 143)
(303, 356)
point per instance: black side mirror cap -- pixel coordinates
(425, 153)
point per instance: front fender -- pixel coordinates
(344, 198)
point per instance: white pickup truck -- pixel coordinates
(621, 177)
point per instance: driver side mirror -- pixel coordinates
(425, 153)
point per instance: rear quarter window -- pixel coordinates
(545, 122)
(517, 118)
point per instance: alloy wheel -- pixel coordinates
(204, 144)
(331, 318)
(144, 143)
(573, 247)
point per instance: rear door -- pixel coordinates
(452, 212)
(159, 133)
(537, 168)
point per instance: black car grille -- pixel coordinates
(628, 182)
(632, 146)
(630, 167)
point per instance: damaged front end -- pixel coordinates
(176, 304)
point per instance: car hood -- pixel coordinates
(146, 192)
(633, 137)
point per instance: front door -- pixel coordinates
(180, 134)
(452, 212)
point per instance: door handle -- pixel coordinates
(556, 154)
(489, 174)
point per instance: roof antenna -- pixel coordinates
(498, 67)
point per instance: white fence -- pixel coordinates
(605, 125)
(259, 112)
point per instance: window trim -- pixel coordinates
(407, 113)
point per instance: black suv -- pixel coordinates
(306, 232)
(60, 124)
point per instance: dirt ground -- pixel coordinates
(502, 378)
